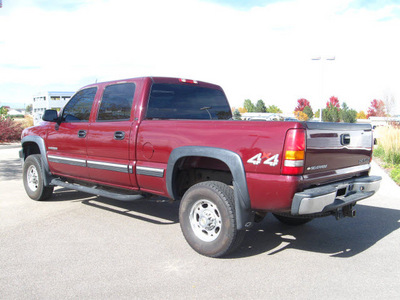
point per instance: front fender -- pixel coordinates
(24, 152)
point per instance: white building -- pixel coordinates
(383, 121)
(16, 112)
(48, 100)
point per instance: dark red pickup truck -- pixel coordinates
(176, 138)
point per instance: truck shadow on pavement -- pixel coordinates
(155, 210)
(344, 238)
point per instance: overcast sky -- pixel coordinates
(257, 49)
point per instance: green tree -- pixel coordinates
(249, 106)
(348, 115)
(308, 111)
(274, 109)
(331, 114)
(28, 109)
(260, 106)
(237, 115)
(332, 111)
(351, 116)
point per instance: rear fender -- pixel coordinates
(235, 165)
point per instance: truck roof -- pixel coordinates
(157, 79)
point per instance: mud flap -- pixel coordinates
(244, 215)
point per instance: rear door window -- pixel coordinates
(116, 103)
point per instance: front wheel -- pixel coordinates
(33, 179)
(208, 221)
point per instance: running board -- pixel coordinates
(95, 191)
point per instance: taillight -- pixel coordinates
(294, 152)
(188, 81)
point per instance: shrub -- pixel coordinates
(27, 121)
(301, 116)
(9, 130)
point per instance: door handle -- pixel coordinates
(119, 135)
(82, 133)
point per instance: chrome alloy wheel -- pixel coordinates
(206, 221)
(32, 178)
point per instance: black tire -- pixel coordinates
(33, 179)
(208, 221)
(293, 221)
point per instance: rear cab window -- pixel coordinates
(189, 102)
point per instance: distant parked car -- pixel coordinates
(258, 119)
(290, 119)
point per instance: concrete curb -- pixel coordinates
(387, 182)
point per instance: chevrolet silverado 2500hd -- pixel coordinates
(176, 138)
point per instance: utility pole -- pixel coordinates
(322, 60)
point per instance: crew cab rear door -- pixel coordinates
(110, 142)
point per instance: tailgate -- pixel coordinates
(337, 148)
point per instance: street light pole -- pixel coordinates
(319, 58)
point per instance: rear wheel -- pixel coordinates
(290, 220)
(33, 179)
(208, 221)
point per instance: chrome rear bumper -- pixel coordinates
(334, 196)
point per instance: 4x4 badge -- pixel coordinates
(271, 160)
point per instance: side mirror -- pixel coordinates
(50, 115)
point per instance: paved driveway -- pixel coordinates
(81, 246)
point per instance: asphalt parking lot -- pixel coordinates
(87, 247)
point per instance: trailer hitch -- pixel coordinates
(345, 211)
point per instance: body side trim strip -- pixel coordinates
(107, 166)
(155, 172)
(66, 160)
(89, 163)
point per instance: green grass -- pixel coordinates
(379, 152)
(395, 174)
(388, 150)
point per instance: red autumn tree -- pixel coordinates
(333, 102)
(301, 104)
(377, 109)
